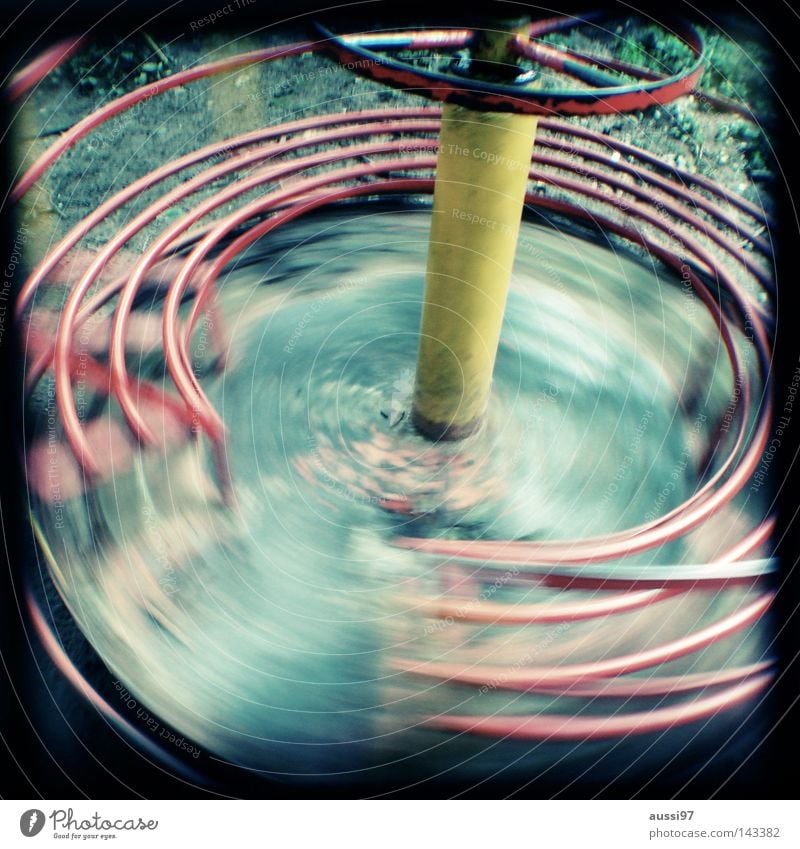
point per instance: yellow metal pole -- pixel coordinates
(481, 178)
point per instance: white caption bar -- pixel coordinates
(392, 824)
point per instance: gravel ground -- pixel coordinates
(688, 133)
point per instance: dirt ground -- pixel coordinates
(690, 133)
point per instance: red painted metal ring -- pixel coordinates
(357, 53)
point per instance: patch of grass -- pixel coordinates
(651, 47)
(115, 67)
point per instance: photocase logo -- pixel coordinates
(400, 398)
(31, 822)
